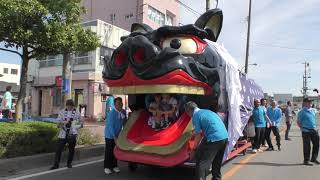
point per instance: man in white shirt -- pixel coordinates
(6, 104)
(69, 123)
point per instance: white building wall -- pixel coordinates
(8, 76)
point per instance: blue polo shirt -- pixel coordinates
(114, 123)
(275, 116)
(258, 115)
(210, 123)
(307, 119)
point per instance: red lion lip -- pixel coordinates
(176, 77)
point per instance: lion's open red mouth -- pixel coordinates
(176, 81)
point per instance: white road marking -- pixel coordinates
(56, 170)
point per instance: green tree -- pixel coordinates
(74, 37)
(36, 28)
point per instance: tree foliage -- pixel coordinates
(36, 28)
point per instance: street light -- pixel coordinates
(253, 64)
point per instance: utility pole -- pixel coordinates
(306, 76)
(208, 2)
(248, 39)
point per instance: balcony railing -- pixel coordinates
(51, 62)
(59, 61)
(83, 60)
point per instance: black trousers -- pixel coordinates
(259, 137)
(288, 130)
(276, 132)
(210, 153)
(110, 160)
(314, 138)
(71, 141)
(264, 137)
(5, 113)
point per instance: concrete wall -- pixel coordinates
(102, 9)
(128, 12)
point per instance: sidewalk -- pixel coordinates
(25, 164)
(96, 128)
(21, 165)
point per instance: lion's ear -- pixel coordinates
(211, 22)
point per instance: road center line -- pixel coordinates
(233, 170)
(56, 170)
(243, 162)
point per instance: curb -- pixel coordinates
(14, 166)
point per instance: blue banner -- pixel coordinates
(66, 85)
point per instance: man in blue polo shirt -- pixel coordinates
(212, 147)
(259, 117)
(307, 123)
(115, 120)
(275, 115)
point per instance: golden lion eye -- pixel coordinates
(184, 45)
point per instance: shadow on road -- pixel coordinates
(267, 164)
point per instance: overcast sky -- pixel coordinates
(284, 34)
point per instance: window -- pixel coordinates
(128, 16)
(43, 63)
(57, 96)
(156, 16)
(169, 20)
(14, 71)
(5, 70)
(83, 58)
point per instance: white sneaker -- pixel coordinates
(116, 170)
(260, 150)
(107, 171)
(254, 151)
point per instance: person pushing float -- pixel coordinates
(185, 63)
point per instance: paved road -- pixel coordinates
(275, 165)
(283, 165)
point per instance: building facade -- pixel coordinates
(88, 89)
(123, 13)
(10, 73)
(283, 98)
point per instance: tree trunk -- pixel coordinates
(23, 84)
(67, 78)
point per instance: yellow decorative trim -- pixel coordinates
(124, 144)
(149, 89)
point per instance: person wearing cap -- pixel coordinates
(211, 149)
(69, 122)
(275, 115)
(307, 123)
